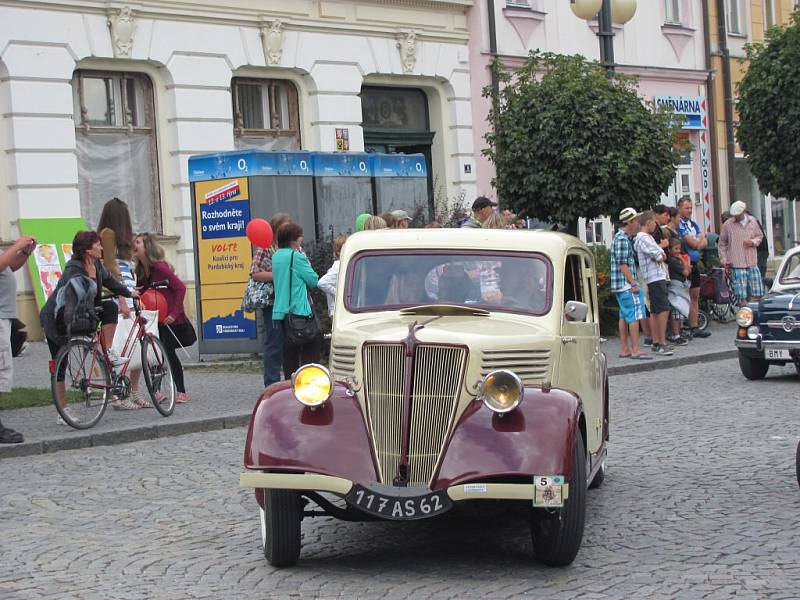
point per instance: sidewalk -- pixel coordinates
(223, 393)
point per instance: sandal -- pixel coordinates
(139, 400)
(641, 357)
(624, 355)
(124, 404)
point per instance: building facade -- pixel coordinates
(746, 21)
(663, 44)
(103, 99)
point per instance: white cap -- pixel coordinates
(401, 215)
(737, 208)
(627, 215)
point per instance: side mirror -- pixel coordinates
(575, 311)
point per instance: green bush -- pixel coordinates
(607, 304)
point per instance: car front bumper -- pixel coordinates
(759, 344)
(337, 485)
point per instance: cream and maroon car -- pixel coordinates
(465, 365)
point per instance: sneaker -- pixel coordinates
(124, 404)
(181, 398)
(139, 400)
(698, 333)
(646, 341)
(678, 340)
(9, 436)
(115, 359)
(661, 350)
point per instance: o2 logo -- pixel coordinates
(242, 165)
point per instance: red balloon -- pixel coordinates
(155, 300)
(259, 232)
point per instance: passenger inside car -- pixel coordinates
(522, 286)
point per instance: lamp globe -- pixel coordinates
(622, 11)
(585, 9)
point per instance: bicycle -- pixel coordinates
(83, 379)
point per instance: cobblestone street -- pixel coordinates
(700, 501)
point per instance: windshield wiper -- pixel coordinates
(445, 310)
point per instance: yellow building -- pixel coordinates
(746, 21)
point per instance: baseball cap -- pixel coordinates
(627, 215)
(737, 208)
(482, 202)
(401, 215)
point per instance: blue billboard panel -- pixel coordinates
(398, 165)
(248, 163)
(341, 164)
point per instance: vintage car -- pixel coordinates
(769, 330)
(465, 365)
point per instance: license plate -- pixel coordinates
(771, 354)
(398, 508)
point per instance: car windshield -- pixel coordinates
(791, 270)
(496, 281)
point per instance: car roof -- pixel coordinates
(520, 240)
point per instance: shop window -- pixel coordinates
(116, 145)
(394, 108)
(672, 12)
(266, 114)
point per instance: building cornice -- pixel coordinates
(383, 18)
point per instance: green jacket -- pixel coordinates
(303, 278)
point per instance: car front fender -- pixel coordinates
(536, 438)
(284, 435)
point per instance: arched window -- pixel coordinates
(265, 114)
(116, 145)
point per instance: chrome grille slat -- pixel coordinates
(436, 382)
(530, 365)
(384, 369)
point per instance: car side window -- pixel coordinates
(589, 292)
(573, 281)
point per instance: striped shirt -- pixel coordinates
(731, 242)
(651, 258)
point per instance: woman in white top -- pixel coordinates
(327, 282)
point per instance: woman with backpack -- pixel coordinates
(150, 267)
(86, 263)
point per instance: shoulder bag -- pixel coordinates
(298, 330)
(257, 294)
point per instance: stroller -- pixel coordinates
(717, 299)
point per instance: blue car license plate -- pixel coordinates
(399, 507)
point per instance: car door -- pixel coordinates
(580, 345)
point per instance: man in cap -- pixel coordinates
(402, 218)
(625, 286)
(481, 209)
(738, 249)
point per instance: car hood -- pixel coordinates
(481, 332)
(782, 302)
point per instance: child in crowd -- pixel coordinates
(679, 270)
(327, 282)
(653, 268)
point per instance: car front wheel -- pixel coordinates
(280, 527)
(753, 368)
(557, 533)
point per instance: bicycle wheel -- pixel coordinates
(80, 384)
(158, 375)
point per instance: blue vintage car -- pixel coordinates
(769, 330)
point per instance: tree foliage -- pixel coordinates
(769, 111)
(569, 141)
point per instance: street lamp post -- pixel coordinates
(608, 12)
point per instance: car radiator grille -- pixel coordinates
(436, 381)
(531, 366)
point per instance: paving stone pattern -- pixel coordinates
(700, 502)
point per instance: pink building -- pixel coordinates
(663, 44)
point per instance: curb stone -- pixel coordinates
(233, 421)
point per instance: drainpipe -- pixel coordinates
(712, 115)
(730, 140)
(493, 49)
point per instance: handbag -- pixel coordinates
(184, 333)
(257, 294)
(298, 330)
(124, 327)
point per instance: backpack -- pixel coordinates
(75, 314)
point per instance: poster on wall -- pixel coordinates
(53, 250)
(222, 209)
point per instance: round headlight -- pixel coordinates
(752, 332)
(744, 318)
(502, 391)
(312, 385)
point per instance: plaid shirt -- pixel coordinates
(621, 254)
(262, 260)
(651, 258)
